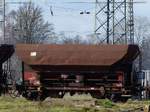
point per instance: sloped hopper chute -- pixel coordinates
(6, 52)
(75, 57)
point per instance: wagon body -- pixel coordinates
(76, 57)
(101, 70)
(6, 52)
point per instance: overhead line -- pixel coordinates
(98, 2)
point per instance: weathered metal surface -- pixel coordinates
(75, 54)
(5, 52)
(57, 57)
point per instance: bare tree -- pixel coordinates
(29, 25)
(64, 39)
(142, 26)
(26, 25)
(142, 38)
(145, 54)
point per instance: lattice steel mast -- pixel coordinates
(114, 21)
(131, 21)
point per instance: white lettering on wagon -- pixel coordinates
(33, 54)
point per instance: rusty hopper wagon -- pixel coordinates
(100, 70)
(5, 53)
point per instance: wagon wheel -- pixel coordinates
(118, 98)
(61, 95)
(100, 94)
(102, 91)
(13, 92)
(12, 89)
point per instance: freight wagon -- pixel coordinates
(6, 52)
(104, 71)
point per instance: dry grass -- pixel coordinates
(76, 103)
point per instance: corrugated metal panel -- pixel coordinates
(75, 55)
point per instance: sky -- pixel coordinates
(67, 17)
